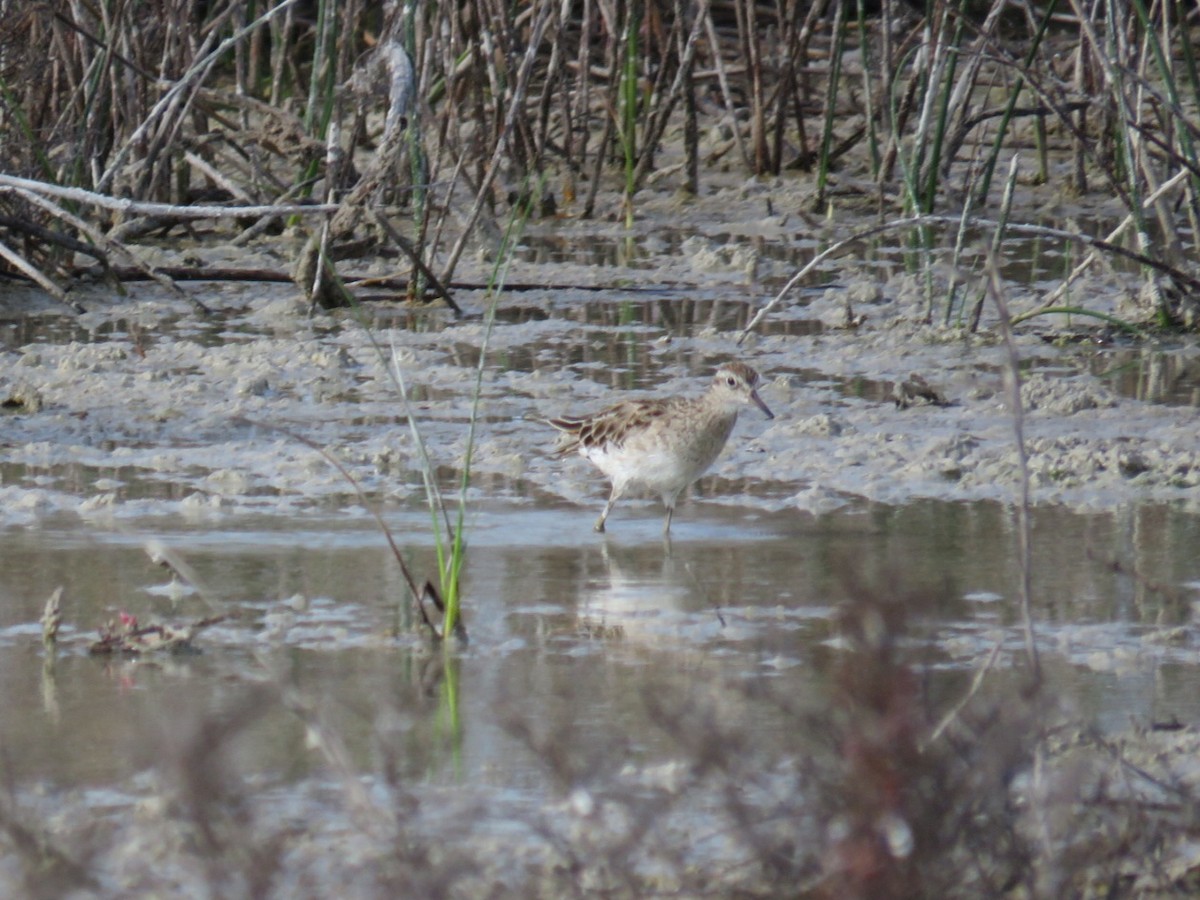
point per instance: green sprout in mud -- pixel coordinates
(450, 541)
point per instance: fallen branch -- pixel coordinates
(125, 636)
(11, 183)
(30, 271)
(277, 276)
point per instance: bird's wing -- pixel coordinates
(609, 427)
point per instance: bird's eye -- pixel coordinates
(731, 381)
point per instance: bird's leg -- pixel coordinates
(612, 498)
(670, 498)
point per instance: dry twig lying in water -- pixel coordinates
(125, 636)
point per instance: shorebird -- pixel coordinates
(661, 445)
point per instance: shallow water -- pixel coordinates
(597, 663)
(559, 615)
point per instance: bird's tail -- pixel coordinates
(568, 428)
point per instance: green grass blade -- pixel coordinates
(985, 182)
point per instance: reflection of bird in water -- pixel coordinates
(661, 445)
(650, 598)
(625, 601)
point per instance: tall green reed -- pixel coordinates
(450, 532)
(983, 187)
(629, 98)
(827, 133)
(869, 101)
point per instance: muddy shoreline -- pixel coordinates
(139, 415)
(157, 392)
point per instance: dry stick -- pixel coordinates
(1013, 384)
(100, 240)
(937, 57)
(1053, 297)
(218, 178)
(34, 274)
(960, 98)
(517, 101)
(93, 79)
(169, 125)
(1061, 110)
(567, 113)
(976, 684)
(448, 132)
(615, 52)
(656, 128)
(655, 106)
(583, 94)
(257, 118)
(550, 80)
(955, 141)
(277, 276)
(960, 240)
(1168, 233)
(820, 199)
(26, 187)
(1081, 85)
(324, 287)
(1153, 134)
(1169, 152)
(691, 127)
(1140, 128)
(245, 61)
(1112, 77)
(51, 620)
(265, 222)
(395, 62)
(803, 89)
(281, 44)
(525, 154)
(188, 273)
(316, 274)
(436, 240)
(887, 123)
(714, 42)
(750, 37)
(102, 45)
(422, 170)
(49, 236)
(193, 76)
(487, 46)
(896, 116)
(1006, 201)
(167, 210)
(1020, 228)
(411, 252)
(786, 91)
(417, 593)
